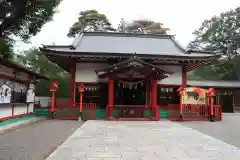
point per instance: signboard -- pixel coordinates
(30, 95)
(192, 95)
(5, 94)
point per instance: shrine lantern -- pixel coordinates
(53, 87)
(81, 88)
(211, 95)
(211, 92)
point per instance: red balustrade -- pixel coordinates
(218, 112)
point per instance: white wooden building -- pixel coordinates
(17, 90)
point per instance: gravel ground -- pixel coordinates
(227, 130)
(36, 141)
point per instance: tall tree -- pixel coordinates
(142, 26)
(220, 33)
(36, 61)
(90, 20)
(23, 18)
(6, 48)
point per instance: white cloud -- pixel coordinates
(181, 16)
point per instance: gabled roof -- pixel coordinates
(132, 60)
(132, 63)
(112, 43)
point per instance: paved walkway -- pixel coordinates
(35, 141)
(227, 130)
(103, 140)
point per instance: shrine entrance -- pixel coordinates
(131, 95)
(127, 89)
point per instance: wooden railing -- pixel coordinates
(218, 112)
(66, 111)
(194, 112)
(132, 111)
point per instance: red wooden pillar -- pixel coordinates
(154, 92)
(110, 97)
(154, 99)
(184, 76)
(184, 84)
(211, 94)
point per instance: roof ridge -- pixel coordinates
(98, 33)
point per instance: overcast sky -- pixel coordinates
(181, 16)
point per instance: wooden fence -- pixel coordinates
(64, 110)
(194, 112)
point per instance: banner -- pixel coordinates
(192, 95)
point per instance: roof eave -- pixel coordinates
(100, 54)
(20, 68)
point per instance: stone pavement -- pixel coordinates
(105, 140)
(227, 130)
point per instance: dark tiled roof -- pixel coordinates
(126, 43)
(20, 68)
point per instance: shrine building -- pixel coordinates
(17, 90)
(127, 70)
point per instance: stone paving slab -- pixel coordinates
(106, 140)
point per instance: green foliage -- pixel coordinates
(142, 26)
(26, 17)
(90, 20)
(220, 33)
(23, 19)
(36, 61)
(6, 48)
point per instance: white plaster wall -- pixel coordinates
(5, 111)
(20, 109)
(85, 72)
(175, 78)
